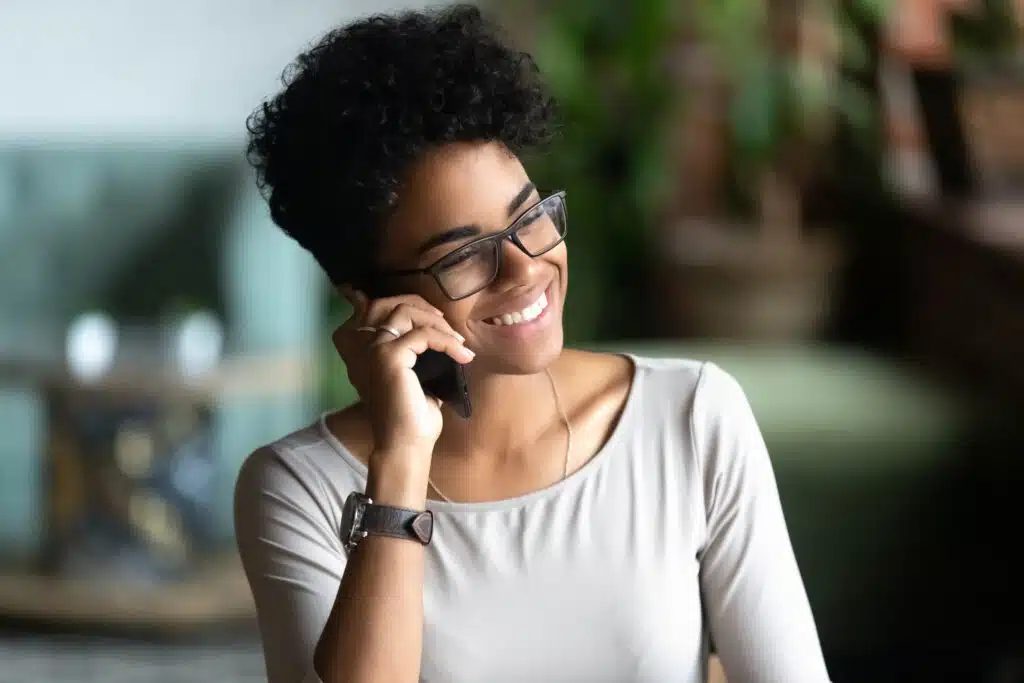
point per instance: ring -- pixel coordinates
(390, 330)
(366, 329)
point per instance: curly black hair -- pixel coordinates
(331, 150)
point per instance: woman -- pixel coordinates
(598, 518)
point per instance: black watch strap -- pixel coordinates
(385, 520)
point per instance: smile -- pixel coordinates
(528, 314)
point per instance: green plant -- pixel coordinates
(606, 63)
(786, 99)
(991, 31)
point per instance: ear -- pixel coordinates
(362, 282)
(358, 299)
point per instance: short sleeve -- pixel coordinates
(754, 598)
(292, 558)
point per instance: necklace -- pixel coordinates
(568, 437)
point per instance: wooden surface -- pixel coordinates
(250, 376)
(217, 597)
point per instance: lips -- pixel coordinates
(528, 313)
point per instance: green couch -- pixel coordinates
(896, 492)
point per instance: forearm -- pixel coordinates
(375, 629)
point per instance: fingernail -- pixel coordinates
(458, 336)
(471, 354)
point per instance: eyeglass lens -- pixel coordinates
(471, 268)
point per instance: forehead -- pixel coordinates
(452, 186)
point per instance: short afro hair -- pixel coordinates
(332, 149)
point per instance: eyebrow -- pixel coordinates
(471, 230)
(519, 199)
(453, 235)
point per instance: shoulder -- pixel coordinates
(704, 388)
(701, 411)
(283, 462)
(664, 393)
(303, 469)
(669, 386)
(696, 400)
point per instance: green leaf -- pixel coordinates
(559, 54)
(813, 95)
(755, 112)
(651, 180)
(735, 29)
(876, 11)
(855, 51)
(856, 105)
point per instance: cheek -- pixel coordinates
(458, 314)
(560, 259)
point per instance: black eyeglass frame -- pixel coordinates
(508, 233)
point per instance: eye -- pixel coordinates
(529, 218)
(460, 257)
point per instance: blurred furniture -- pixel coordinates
(129, 484)
(85, 659)
(215, 598)
(899, 497)
(129, 472)
(130, 487)
(991, 104)
(135, 227)
(967, 299)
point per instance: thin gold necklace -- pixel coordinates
(568, 437)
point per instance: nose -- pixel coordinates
(516, 265)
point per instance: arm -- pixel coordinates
(362, 620)
(323, 618)
(375, 631)
(754, 597)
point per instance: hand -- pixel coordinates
(379, 365)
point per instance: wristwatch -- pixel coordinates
(361, 517)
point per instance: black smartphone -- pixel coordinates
(440, 375)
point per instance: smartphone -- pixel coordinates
(440, 375)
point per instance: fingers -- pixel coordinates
(405, 317)
(366, 311)
(402, 314)
(404, 350)
(379, 309)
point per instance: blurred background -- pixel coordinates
(823, 196)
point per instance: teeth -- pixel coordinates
(523, 316)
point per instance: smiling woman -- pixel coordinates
(604, 517)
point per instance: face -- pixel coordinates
(453, 196)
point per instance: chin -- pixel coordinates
(524, 347)
(521, 359)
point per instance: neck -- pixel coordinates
(508, 411)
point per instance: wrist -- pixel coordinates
(398, 479)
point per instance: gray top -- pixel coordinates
(672, 533)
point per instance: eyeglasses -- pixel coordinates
(472, 267)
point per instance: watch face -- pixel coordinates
(352, 520)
